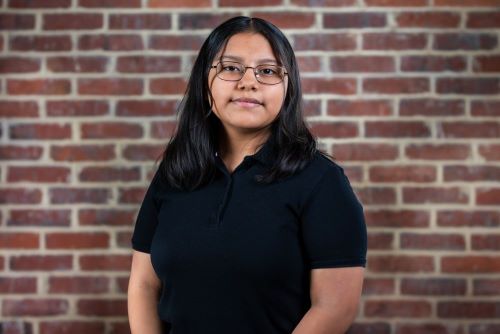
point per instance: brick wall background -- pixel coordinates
(406, 95)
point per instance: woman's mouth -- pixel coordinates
(247, 103)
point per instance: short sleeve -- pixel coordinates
(147, 218)
(333, 223)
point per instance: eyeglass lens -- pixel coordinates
(265, 73)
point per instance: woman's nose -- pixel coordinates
(248, 79)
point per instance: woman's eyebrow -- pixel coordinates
(264, 60)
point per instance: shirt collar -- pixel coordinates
(265, 154)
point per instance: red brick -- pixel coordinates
(402, 173)
(470, 264)
(38, 174)
(20, 196)
(429, 328)
(102, 307)
(488, 196)
(140, 108)
(431, 107)
(464, 41)
(147, 152)
(68, 108)
(324, 42)
(40, 43)
(468, 85)
(483, 20)
(193, 21)
(79, 195)
(140, 21)
(485, 242)
(485, 108)
(396, 129)
(397, 308)
(185, 3)
(38, 86)
(14, 285)
(149, 64)
(359, 107)
(369, 328)
(245, 3)
(40, 131)
(131, 195)
(118, 42)
(354, 20)
(437, 152)
(286, 20)
(82, 152)
(334, 129)
(109, 174)
(17, 21)
(42, 217)
(71, 327)
(464, 3)
(16, 327)
(486, 287)
(13, 152)
(105, 262)
(122, 283)
(468, 218)
(362, 64)
(378, 286)
(107, 130)
(377, 195)
(168, 86)
(72, 21)
(380, 240)
(397, 219)
(490, 152)
(110, 86)
(106, 217)
(394, 41)
(432, 241)
(468, 309)
(468, 130)
(471, 173)
(77, 64)
(41, 262)
(184, 42)
(34, 307)
(19, 65)
(79, 285)
(18, 109)
(309, 64)
(482, 328)
(344, 86)
(110, 3)
(433, 64)
(486, 64)
(396, 85)
(365, 152)
(123, 240)
(433, 286)
(324, 3)
(396, 3)
(400, 263)
(435, 195)
(428, 19)
(30, 4)
(76, 240)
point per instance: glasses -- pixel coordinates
(265, 74)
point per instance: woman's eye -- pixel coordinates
(268, 71)
(230, 68)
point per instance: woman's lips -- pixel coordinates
(247, 103)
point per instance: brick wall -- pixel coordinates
(406, 95)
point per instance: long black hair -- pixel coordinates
(188, 160)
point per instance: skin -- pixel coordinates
(245, 128)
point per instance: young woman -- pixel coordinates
(246, 228)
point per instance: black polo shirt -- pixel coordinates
(235, 256)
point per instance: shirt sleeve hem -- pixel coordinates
(141, 247)
(357, 262)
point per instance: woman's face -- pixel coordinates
(249, 49)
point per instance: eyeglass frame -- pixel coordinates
(254, 72)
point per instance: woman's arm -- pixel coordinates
(335, 294)
(143, 291)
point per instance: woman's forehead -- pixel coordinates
(248, 47)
